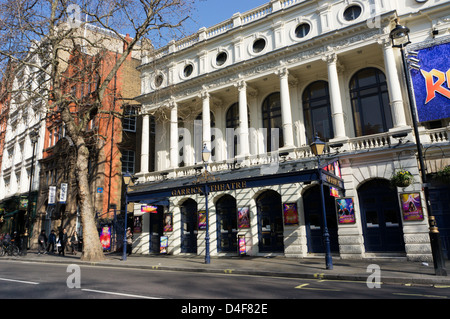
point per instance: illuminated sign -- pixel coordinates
(432, 83)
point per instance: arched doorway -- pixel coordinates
(380, 217)
(226, 213)
(270, 222)
(312, 204)
(189, 226)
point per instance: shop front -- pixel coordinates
(262, 212)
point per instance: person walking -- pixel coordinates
(74, 243)
(42, 242)
(129, 241)
(51, 242)
(62, 241)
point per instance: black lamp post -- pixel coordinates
(206, 154)
(128, 180)
(317, 148)
(33, 139)
(400, 39)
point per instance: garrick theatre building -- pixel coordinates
(255, 90)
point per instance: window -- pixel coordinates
(271, 111)
(317, 113)
(128, 161)
(370, 102)
(221, 58)
(302, 30)
(188, 69)
(232, 121)
(159, 80)
(129, 119)
(352, 13)
(259, 45)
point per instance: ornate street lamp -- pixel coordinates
(400, 39)
(317, 148)
(128, 180)
(33, 139)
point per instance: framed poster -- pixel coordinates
(243, 217)
(290, 214)
(137, 224)
(202, 220)
(411, 206)
(164, 243)
(345, 210)
(168, 222)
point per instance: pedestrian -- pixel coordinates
(62, 241)
(42, 242)
(51, 242)
(74, 243)
(129, 241)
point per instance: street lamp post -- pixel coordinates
(317, 148)
(206, 154)
(127, 180)
(33, 139)
(400, 39)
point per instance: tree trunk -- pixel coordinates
(92, 248)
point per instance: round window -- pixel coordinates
(352, 13)
(159, 80)
(221, 58)
(302, 30)
(259, 45)
(188, 70)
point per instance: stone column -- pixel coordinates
(206, 121)
(286, 113)
(145, 139)
(244, 147)
(173, 135)
(335, 97)
(395, 92)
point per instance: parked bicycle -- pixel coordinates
(10, 249)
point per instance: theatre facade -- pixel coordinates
(255, 91)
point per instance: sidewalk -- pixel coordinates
(393, 271)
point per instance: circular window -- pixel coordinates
(159, 80)
(302, 30)
(188, 70)
(352, 13)
(221, 58)
(259, 45)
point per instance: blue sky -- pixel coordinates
(211, 12)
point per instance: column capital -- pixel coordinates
(204, 95)
(330, 57)
(241, 85)
(282, 72)
(385, 41)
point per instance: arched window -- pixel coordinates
(370, 102)
(317, 113)
(271, 112)
(198, 126)
(232, 121)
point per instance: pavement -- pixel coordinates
(392, 270)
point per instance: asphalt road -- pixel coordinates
(37, 281)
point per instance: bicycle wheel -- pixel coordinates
(2, 251)
(15, 251)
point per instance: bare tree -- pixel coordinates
(63, 44)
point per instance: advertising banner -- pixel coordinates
(431, 83)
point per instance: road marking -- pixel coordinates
(228, 271)
(20, 281)
(119, 294)
(309, 288)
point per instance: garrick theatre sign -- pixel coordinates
(157, 193)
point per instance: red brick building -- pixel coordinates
(110, 137)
